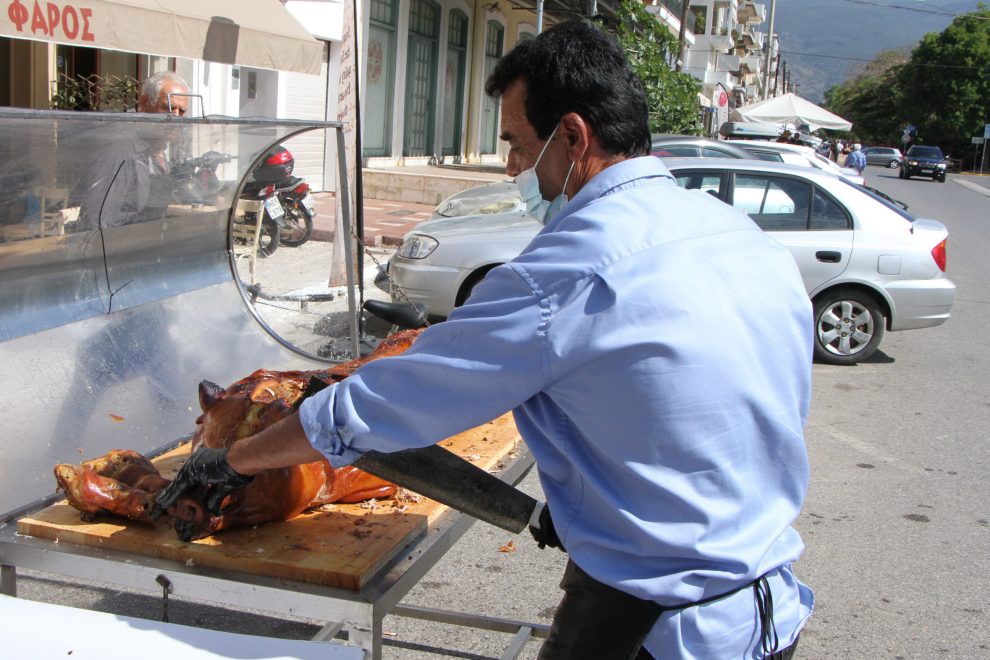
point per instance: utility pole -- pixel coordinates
(768, 53)
(685, 10)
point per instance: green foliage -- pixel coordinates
(112, 94)
(947, 102)
(672, 97)
(871, 101)
(943, 88)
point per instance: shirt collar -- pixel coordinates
(629, 173)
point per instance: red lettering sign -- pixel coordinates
(53, 17)
(69, 14)
(38, 20)
(86, 13)
(48, 20)
(18, 14)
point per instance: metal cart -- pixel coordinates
(115, 299)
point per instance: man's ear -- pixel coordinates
(576, 134)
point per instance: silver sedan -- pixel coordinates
(867, 264)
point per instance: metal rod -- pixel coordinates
(159, 118)
(767, 56)
(358, 158)
(345, 215)
(495, 624)
(515, 647)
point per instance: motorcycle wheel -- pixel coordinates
(298, 225)
(269, 239)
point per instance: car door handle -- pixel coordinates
(829, 256)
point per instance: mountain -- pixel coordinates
(814, 34)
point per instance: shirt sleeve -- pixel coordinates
(483, 361)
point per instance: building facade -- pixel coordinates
(729, 57)
(421, 70)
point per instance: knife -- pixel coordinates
(442, 475)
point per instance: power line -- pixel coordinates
(858, 59)
(919, 10)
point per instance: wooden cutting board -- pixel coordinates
(338, 545)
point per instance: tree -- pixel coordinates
(672, 97)
(871, 100)
(946, 84)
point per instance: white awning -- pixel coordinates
(255, 33)
(791, 108)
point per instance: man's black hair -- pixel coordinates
(575, 67)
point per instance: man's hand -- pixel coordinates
(206, 467)
(545, 535)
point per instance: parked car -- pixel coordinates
(666, 146)
(922, 160)
(796, 154)
(867, 264)
(886, 156)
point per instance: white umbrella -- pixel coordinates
(791, 109)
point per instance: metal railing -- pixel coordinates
(94, 92)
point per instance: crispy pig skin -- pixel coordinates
(258, 401)
(124, 483)
(121, 483)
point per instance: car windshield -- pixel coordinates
(926, 152)
(498, 200)
(883, 199)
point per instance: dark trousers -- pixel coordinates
(597, 622)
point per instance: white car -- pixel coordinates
(796, 154)
(867, 264)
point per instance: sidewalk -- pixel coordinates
(385, 223)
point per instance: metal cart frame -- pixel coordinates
(360, 613)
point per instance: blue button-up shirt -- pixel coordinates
(856, 160)
(655, 348)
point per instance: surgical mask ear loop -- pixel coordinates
(566, 179)
(545, 145)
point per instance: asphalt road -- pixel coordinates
(896, 522)
(896, 519)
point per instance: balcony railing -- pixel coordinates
(675, 7)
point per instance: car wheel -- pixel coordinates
(848, 326)
(941, 179)
(468, 286)
(893, 164)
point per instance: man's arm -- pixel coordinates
(280, 445)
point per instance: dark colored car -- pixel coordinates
(922, 160)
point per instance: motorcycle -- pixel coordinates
(288, 205)
(194, 181)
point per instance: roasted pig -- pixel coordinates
(124, 483)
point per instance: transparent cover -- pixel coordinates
(117, 291)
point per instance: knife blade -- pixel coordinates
(442, 475)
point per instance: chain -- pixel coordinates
(392, 284)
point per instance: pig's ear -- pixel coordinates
(209, 394)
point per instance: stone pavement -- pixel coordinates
(385, 222)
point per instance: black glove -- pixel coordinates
(546, 535)
(206, 467)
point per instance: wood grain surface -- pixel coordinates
(338, 545)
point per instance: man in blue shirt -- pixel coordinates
(856, 160)
(655, 348)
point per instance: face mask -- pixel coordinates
(529, 188)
